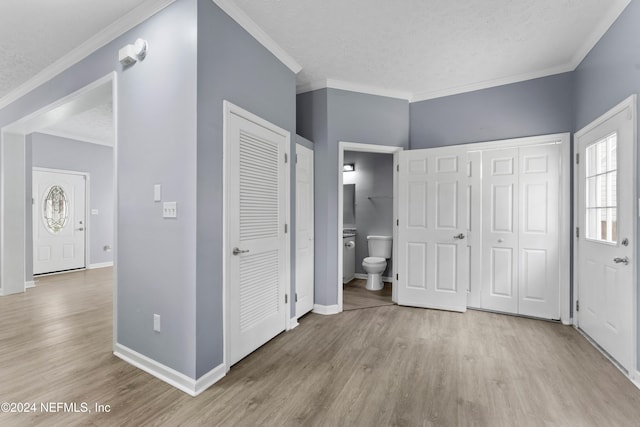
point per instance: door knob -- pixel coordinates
(459, 236)
(624, 260)
(237, 251)
(80, 229)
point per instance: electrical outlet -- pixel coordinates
(156, 322)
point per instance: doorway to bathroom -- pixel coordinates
(367, 197)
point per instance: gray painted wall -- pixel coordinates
(533, 107)
(53, 152)
(232, 66)
(326, 117)
(373, 177)
(156, 144)
(609, 74)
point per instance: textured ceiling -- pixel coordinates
(35, 33)
(429, 48)
(94, 125)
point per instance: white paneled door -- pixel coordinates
(304, 230)
(433, 220)
(605, 215)
(58, 221)
(520, 216)
(256, 250)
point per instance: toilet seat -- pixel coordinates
(374, 261)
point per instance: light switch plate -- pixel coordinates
(170, 210)
(157, 192)
(156, 322)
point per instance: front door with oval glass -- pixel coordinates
(59, 224)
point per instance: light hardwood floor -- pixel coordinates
(378, 367)
(356, 296)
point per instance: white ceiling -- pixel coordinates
(413, 49)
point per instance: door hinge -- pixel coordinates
(398, 168)
(296, 297)
(286, 298)
(577, 158)
(577, 305)
(577, 231)
(397, 222)
(286, 158)
(396, 276)
(286, 228)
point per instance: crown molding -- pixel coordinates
(238, 15)
(605, 23)
(102, 38)
(353, 87)
(75, 137)
(427, 95)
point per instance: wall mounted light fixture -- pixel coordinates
(349, 167)
(132, 53)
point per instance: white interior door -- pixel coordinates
(58, 221)
(433, 217)
(256, 280)
(304, 230)
(606, 240)
(500, 230)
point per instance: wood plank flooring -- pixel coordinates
(384, 366)
(355, 296)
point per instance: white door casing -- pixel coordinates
(433, 207)
(256, 250)
(304, 230)
(605, 248)
(59, 224)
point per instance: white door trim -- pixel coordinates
(631, 103)
(87, 209)
(367, 148)
(228, 109)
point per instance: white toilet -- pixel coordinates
(376, 262)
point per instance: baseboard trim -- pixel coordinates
(326, 310)
(364, 277)
(30, 284)
(635, 379)
(100, 265)
(169, 375)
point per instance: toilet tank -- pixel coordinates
(380, 246)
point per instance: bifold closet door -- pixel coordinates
(500, 230)
(520, 218)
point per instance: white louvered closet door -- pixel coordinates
(256, 218)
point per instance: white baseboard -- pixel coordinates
(30, 284)
(169, 375)
(364, 277)
(326, 309)
(100, 265)
(635, 379)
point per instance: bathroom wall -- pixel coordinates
(373, 178)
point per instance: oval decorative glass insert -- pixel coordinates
(56, 209)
